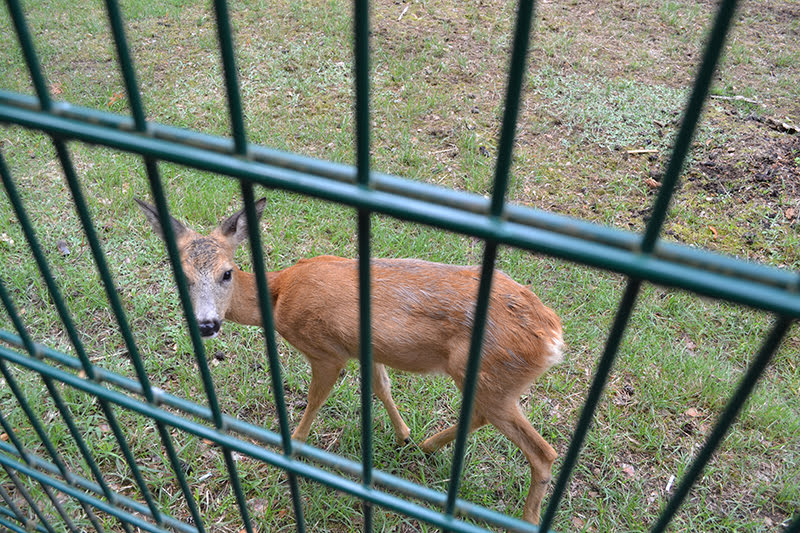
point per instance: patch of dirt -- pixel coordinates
(758, 164)
(753, 164)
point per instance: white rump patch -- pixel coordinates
(555, 351)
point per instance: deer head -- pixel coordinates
(207, 262)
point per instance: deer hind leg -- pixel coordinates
(444, 437)
(509, 420)
(323, 377)
(382, 386)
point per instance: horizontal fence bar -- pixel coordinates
(434, 194)
(279, 460)
(79, 495)
(117, 500)
(723, 282)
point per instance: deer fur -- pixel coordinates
(422, 315)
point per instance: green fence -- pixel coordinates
(641, 258)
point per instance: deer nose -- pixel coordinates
(209, 328)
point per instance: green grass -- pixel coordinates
(437, 89)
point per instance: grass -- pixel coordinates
(603, 79)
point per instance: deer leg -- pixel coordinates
(382, 386)
(444, 437)
(323, 377)
(509, 420)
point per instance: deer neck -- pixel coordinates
(244, 307)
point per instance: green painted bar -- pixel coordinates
(265, 302)
(471, 374)
(626, 305)
(225, 35)
(118, 500)
(433, 194)
(646, 267)
(126, 64)
(383, 479)
(725, 420)
(501, 177)
(227, 441)
(79, 495)
(691, 117)
(72, 331)
(362, 143)
(29, 51)
(30, 501)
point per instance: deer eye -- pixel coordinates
(227, 275)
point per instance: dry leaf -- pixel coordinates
(714, 231)
(791, 213)
(55, 88)
(115, 98)
(694, 413)
(628, 470)
(653, 184)
(4, 437)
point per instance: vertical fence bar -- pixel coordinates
(268, 326)
(362, 114)
(725, 420)
(652, 231)
(41, 88)
(119, 313)
(21, 487)
(691, 117)
(126, 64)
(601, 374)
(44, 438)
(29, 51)
(501, 178)
(21, 518)
(225, 34)
(72, 332)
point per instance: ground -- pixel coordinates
(603, 97)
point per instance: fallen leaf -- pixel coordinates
(4, 437)
(714, 231)
(694, 413)
(628, 470)
(791, 213)
(653, 184)
(115, 98)
(578, 522)
(55, 88)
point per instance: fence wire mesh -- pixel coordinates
(44, 492)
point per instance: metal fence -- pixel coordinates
(641, 258)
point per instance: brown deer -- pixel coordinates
(422, 317)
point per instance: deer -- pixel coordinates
(422, 316)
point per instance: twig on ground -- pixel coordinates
(737, 98)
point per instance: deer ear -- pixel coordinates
(235, 226)
(152, 216)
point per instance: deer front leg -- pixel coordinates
(383, 391)
(323, 377)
